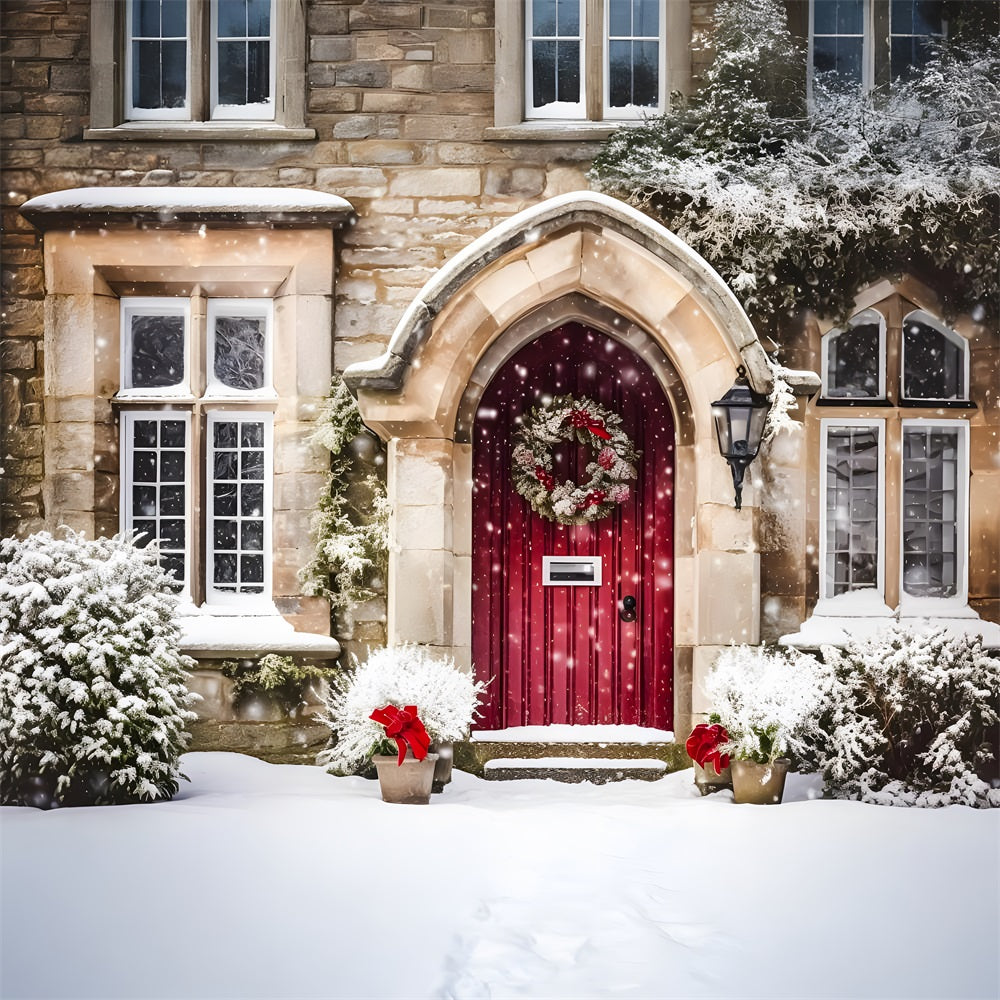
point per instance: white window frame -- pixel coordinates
(239, 603)
(130, 306)
(863, 318)
(634, 112)
(133, 113)
(921, 316)
(919, 606)
(126, 513)
(559, 110)
(878, 425)
(242, 112)
(251, 308)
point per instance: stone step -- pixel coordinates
(474, 755)
(597, 770)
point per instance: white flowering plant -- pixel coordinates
(93, 700)
(766, 699)
(445, 696)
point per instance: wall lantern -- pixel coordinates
(739, 423)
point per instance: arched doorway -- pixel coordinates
(562, 653)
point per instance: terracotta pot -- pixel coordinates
(759, 784)
(708, 781)
(408, 783)
(442, 769)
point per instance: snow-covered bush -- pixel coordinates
(445, 696)
(910, 717)
(799, 208)
(93, 704)
(766, 699)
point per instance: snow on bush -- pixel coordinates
(93, 704)
(799, 207)
(446, 699)
(766, 698)
(910, 717)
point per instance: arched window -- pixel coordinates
(854, 358)
(935, 365)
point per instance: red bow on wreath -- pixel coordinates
(404, 726)
(581, 418)
(593, 498)
(544, 477)
(703, 746)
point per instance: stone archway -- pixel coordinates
(589, 257)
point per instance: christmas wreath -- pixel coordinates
(569, 418)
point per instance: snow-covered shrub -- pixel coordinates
(445, 696)
(910, 718)
(766, 699)
(93, 704)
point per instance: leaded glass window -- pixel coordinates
(239, 331)
(934, 360)
(852, 508)
(156, 486)
(243, 76)
(154, 345)
(555, 64)
(158, 58)
(932, 490)
(854, 359)
(633, 54)
(239, 471)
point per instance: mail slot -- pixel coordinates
(571, 571)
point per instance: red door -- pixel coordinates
(563, 654)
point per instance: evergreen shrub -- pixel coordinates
(93, 701)
(910, 717)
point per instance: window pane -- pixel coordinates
(232, 18)
(225, 534)
(226, 434)
(851, 509)
(224, 498)
(620, 70)
(568, 72)
(901, 17)
(239, 351)
(146, 532)
(146, 18)
(157, 351)
(232, 73)
(930, 511)
(259, 18)
(158, 495)
(258, 72)
(568, 17)
(620, 18)
(543, 17)
(252, 435)
(839, 55)
(172, 433)
(251, 500)
(853, 362)
(543, 73)
(159, 74)
(933, 365)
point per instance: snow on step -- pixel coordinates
(574, 734)
(575, 763)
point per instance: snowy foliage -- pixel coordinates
(765, 698)
(445, 696)
(93, 702)
(910, 718)
(279, 676)
(350, 525)
(799, 209)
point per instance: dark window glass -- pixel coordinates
(933, 365)
(252, 500)
(172, 500)
(159, 74)
(225, 569)
(144, 467)
(172, 534)
(232, 18)
(239, 351)
(225, 534)
(853, 362)
(144, 501)
(172, 433)
(144, 434)
(225, 498)
(252, 569)
(146, 530)
(172, 466)
(157, 351)
(225, 463)
(252, 535)
(842, 56)
(226, 434)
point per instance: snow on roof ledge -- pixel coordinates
(170, 204)
(215, 637)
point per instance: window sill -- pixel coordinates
(553, 130)
(213, 634)
(938, 404)
(199, 132)
(853, 401)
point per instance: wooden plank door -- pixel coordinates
(562, 654)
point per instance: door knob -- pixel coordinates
(627, 611)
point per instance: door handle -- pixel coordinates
(627, 610)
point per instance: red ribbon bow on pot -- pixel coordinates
(703, 746)
(581, 418)
(404, 726)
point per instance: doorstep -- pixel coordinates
(596, 770)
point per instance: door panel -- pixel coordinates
(561, 654)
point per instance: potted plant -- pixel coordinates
(407, 776)
(403, 676)
(763, 698)
(711, 766)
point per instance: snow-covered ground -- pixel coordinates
(271, 882)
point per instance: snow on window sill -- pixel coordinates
(221, 633)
